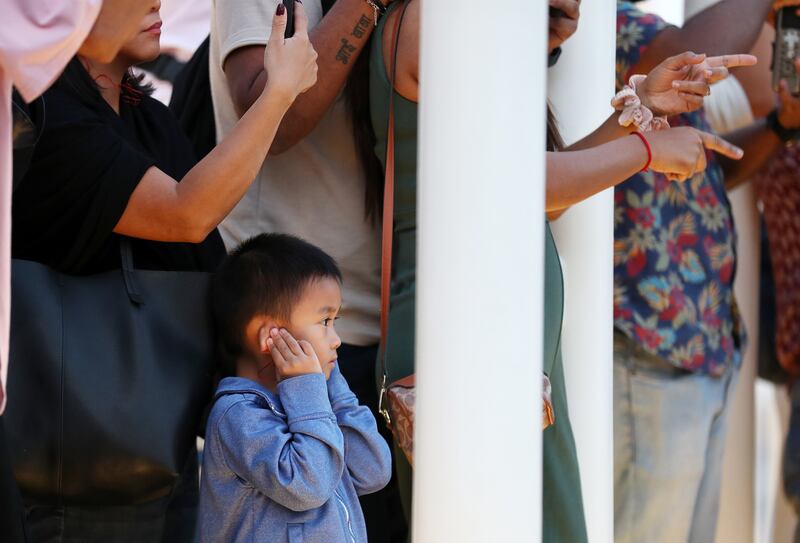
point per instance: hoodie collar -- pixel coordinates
(242, 385)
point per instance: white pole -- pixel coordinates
(480, 283)
(581, 87)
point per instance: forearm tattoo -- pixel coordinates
(345, 52)
(361, 28)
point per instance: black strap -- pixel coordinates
(129, 272)
(787, 135)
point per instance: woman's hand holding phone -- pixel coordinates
(290, 63)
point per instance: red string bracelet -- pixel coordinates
(649, 151)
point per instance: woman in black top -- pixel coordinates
(86, 167)
(112, 163)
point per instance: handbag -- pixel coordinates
(396, 402)
(109, 376)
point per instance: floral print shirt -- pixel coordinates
(674, 245)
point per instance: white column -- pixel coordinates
(480, 254)
(581, 87)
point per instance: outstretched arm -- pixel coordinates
(677, 85)
(162, 209)
(573, 176)
(730, 25)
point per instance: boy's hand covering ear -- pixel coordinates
(292, 358)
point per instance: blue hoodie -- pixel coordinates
(289, 467)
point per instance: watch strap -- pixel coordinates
(787, 135)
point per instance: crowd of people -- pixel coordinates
(267, 236)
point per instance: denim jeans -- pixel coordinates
(669, 437)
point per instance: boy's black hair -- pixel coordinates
(265, 275)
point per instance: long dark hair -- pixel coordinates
(356, 93)
(554, 140)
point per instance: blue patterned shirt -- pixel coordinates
(674, 245)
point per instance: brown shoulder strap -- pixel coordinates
(388, 204)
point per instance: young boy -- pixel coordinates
(288, 449)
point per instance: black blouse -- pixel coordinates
(84, 169)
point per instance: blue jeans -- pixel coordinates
(669, 436)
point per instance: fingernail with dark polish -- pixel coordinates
(281, 9)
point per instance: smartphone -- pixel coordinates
(786, 49)
(289, 5)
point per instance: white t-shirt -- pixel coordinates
(315, 190)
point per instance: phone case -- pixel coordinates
(786, 49)
(289, 5)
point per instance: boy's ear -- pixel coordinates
(263, 335)
(258, 332)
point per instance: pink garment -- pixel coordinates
(38, 38)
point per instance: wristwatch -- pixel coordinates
(787, 135)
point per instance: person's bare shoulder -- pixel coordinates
(407, 83)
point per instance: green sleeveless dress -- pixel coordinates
(563, 520)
